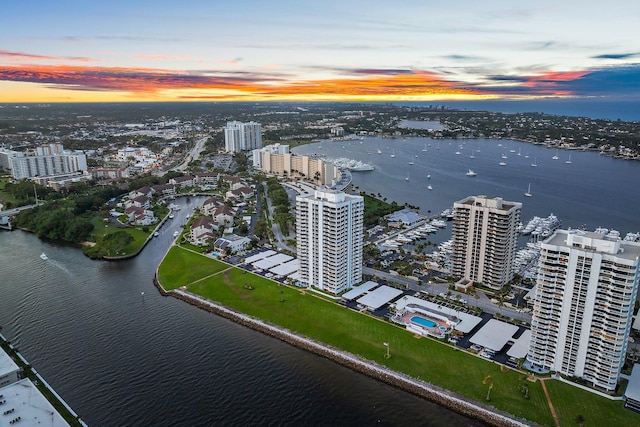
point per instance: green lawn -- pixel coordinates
(181, 267)
(570, 401)
(427, 359)
(139, 237)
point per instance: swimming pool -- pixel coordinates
(424, 322)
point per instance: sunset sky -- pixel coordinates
(66, 51)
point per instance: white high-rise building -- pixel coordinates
(585, 295)
(48, 165)
(329, 227)
(485, 239)
(240, 136)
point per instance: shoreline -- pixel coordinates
(432, 393)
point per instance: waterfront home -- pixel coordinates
(140, 216)
(183, 181)
(231, 243)
(164, 189)
(223, 215)
(239, 194)
(211, 204)
(202, 231)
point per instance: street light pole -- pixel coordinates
(387, 355)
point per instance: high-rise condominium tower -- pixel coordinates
(484, 239)
(329, 239)
(585, 294)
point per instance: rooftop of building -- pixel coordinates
(7, 365)
(595, 242)
(489, 202)
(29, 406)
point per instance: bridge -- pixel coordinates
(5, 216)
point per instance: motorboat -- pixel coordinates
(471, 173)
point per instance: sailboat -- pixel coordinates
(429, 187)
(528, 193)
(406, 178)
(519, 153)
(425, 148)
(534, 164)
(568, 161)
(393, 154)
(556, 156)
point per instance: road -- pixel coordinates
(15, 211)
(193, 154)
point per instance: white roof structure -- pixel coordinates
(359, 290)
(30, 405)
(381, 296)
(286, 268)
(520, 348)
(467, 321)
(267, 263)
(7, 365)
(494, 335)
(633, 387)
(259, 256)
(294, 276)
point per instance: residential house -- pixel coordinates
(140, 216)
(183, 181)
(231, 244)
(202, 231)
(164, 189)
(223, 215)
(210, 205)
(242, 193)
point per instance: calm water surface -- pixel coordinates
(592, 190)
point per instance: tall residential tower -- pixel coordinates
(585, 294)
(240, 136)
(329, 239)
(484, 239)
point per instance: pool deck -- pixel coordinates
(434, 332)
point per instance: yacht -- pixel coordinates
(411, 162)
(176, 233)
(44, 256)
(471, 173)
(556, 156)
(429, 187)
(428, 176)
(393, 153)
(425, 148)
(528, 193)
(534, 164)
(502, 164)
(379, 152)
(504, 155)
(568, 161)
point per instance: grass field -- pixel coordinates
(423, 358)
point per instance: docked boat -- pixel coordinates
(176, 233)
(471, 173)
(44, 256)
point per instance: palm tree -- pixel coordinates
(579, 419)
(488, 380)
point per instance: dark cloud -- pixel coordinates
(616, 55)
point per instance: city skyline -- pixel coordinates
(211, 51)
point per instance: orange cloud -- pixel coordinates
(13, 56)
(363, 84)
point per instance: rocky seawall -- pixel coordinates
(420, 388)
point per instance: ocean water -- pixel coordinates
(623, 109)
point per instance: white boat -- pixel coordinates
(393, 153)
(502, 164)
(171, 216)
(471, 173)
(429, 187)
(528, 193)
(411, 162)
(379, 152)
(534, 164)
(428, 176)
(176, 233)
(568, 161)
(44, 256)
(504, 156)
(156, 234)
(556, 156)
(406, 178)
(425, 148)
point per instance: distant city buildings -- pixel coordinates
(46, 161)
(240, 136)
(329, 227)
(485, 239)
(585, 295)
(277, 159)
